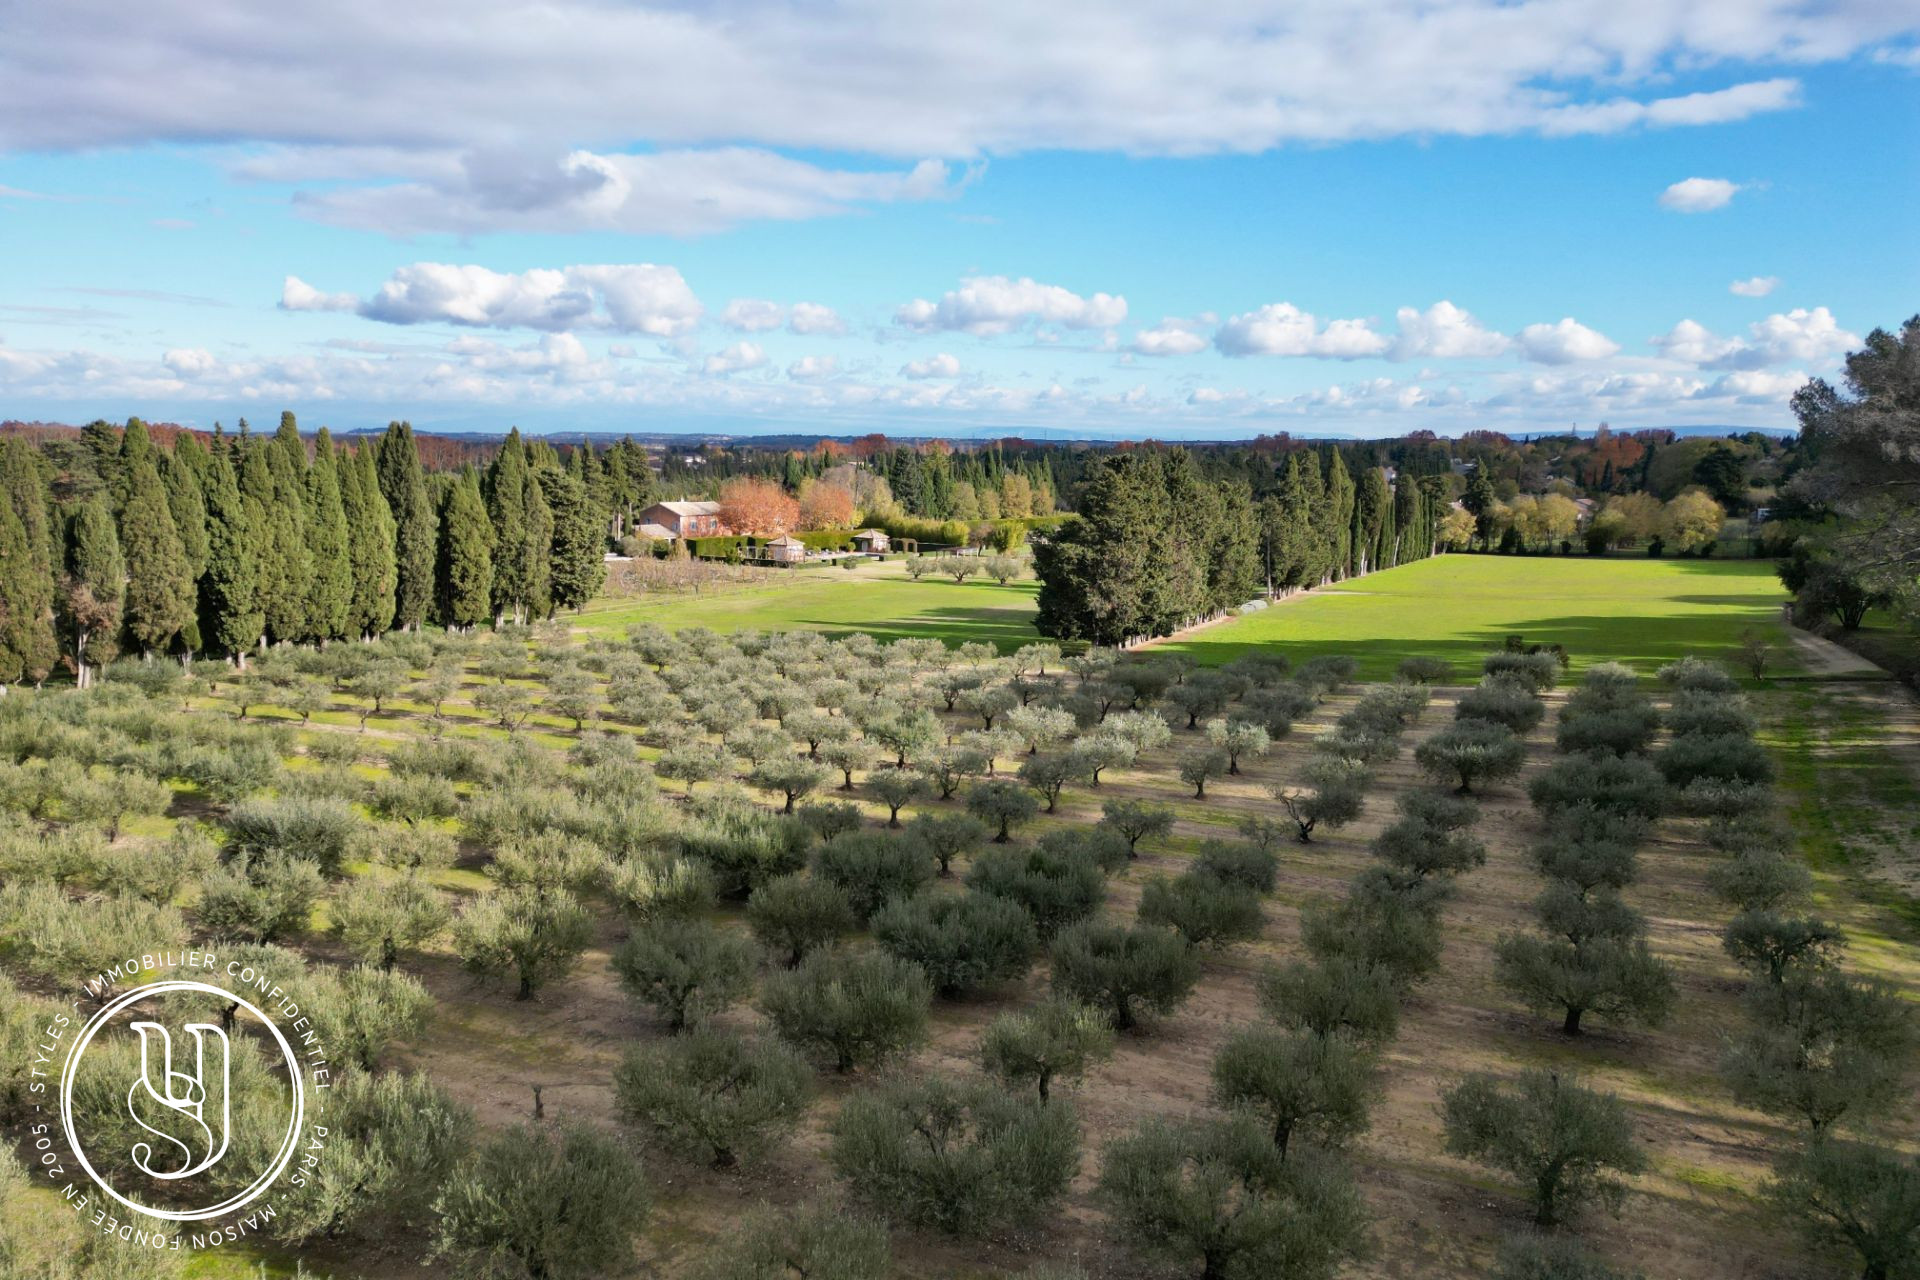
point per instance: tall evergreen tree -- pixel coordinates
(465, 573)
(1102, 576)
(1190, 507)
(330, 608)
(1333, 523)
(1371, 506)
(506, 492)
(159, 595)
(370, 545)
(539, 525)
(181, 472)
(579, 566)
(231, 619)
(273, 478)
(17, 588)
(93, 584)
(1233, 564)
(28, 622)
(415, 527)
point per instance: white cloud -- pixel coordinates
(1443, 331)
(1800, 336)
(1754, 286)
(680, 192)
(1717, 106)
(737, 358)
(1698, 195)
(811, 319)
(1170, 338)
(940, 366)
(1282, 329)
(189, 362)
(752, 315)
(297, 295)
(989, 305)
(552, 353)
(1565, 342)
(627, 298)
(813, 368)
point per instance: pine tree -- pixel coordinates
(330, 608)
(159, 595)
(578, 559)
(93, 585)
(466, 560)
(370, 546)
(28, 622)
(415, 527)
(181, 473)
(506, 492)
(231, 620)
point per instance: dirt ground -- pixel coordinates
(1693, 1217)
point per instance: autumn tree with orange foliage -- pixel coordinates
(826, 505)
(748, 505)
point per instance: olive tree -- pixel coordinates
(377, 917)
(872, 868)
(962, 942)
(797, 914)
(714, 1096)
(807, 1242)
(1056, 886)
(1128, 971)
(1855, 1196)
(686, 970)
(1202, 908)
(1297, 1082)
(1336, 996)
(1002, 805)
(532, 937)
(1219, 1193)
(559, 1203)
(947, 836)
(956, 1157)
(896, 789)
(1059, 1039)
(850, 1008)
(1137, 820)
(1564, 1143)
(791, 777)
(1198, 767)
(394, 1139)
(1336, 791)
(1471, 751)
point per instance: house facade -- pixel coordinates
(872, 541)
(685, 519)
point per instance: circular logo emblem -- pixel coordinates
(182, 1100)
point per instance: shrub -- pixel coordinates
(1055, 886)
(1722, 758)
(818, 1242)
(1249, 866)
(1425, 670)
(962, 942)
(261, 899)
(1058, 1039)
(401, 1137)
(872, 868)
(316, 831)
(1622, 786)
(1505, 702)
(1537, 671)
(743, 846)
(854, 1009)
(686, 970)
(652, 886)
(1201, 908)
(1220, 1193)
(1622, 731)
(560, 1203)
(1126, 971)
(956, 1157)
(1297, 1082)
(1561, 1141)
(1695, 675)
(713, 1096)
(796, 915)
(1710, 715)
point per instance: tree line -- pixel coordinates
(231, 544)
(1158, 545)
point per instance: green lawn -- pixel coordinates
(880, 600)
(1640, 611)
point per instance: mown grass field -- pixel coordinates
(1634, 610)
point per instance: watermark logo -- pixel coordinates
(189, 1106)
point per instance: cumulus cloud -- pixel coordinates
(1443, 331)
(1800, 336)
(737, 358)
(1282, 329)
(297, 295)
(940, 366)
(989, 305)
(627, 298)
(752, 315)
(1565, 342)
(1754, 286)
(1716, 106)
(813, 368)
(1169, 338)
(189, 362)
(1698, 195)
(812, 319)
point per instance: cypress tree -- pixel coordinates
(1334, 524)
(1371, 508)
(329, 610)
(181, 473)
(1233, 562)
(1101, 575)
(231, 619)
(159, 593)
(93, 585)
(466, 559)
(1189, 506)
(506, 491)
(415, 528)
(28, 622)
(578, 561)
(539, 525)
(17, 573)
(369, 546)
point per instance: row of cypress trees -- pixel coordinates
(243, 541)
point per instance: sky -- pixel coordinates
(929, 217)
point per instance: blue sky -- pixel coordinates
(991, 218)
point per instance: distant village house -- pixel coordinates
(681, 520)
